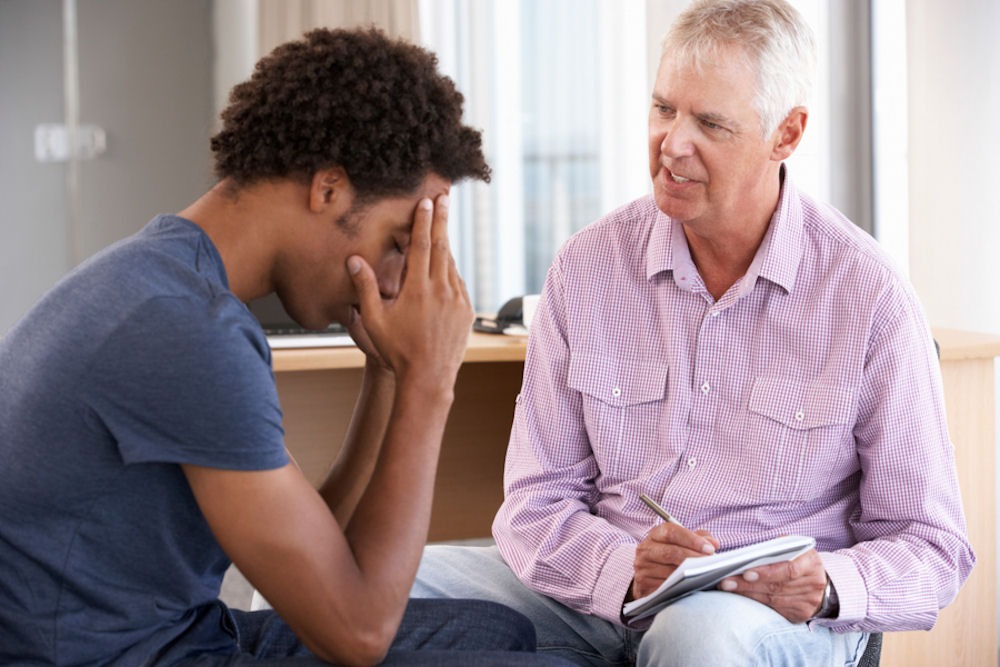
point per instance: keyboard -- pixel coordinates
(292, 337)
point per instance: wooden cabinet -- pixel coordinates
(966, 631)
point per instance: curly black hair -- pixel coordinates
(356, 99)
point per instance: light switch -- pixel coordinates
(52, 142)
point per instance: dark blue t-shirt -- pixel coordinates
(137, 361)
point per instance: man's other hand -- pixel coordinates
(794, 588)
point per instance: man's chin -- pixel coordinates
(673, 208)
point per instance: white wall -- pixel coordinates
(954, 93)
(954, 101)
(34, 234)
(145, 77)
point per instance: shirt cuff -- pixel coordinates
(613, 583)
(852, 594)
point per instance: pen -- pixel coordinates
(664, 514)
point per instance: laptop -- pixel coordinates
(285, 333)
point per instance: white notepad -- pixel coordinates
(700, 573)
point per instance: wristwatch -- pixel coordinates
(830, 606)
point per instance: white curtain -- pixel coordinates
(284, 20)
(559, 89)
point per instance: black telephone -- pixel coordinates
(511, 314)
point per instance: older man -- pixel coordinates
(751, 360)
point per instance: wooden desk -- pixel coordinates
(318, 388)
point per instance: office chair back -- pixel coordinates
(873, 651)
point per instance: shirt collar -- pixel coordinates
(660, 255)
(781, 251)
(777, 258)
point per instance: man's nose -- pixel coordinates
(677, 139)
(391, 279)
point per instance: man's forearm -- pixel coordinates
(390, 524)
(352, 469)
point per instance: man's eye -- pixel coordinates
(399, 247)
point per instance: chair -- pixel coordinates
(873, 651)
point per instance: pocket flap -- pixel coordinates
(618, 382)
(799, 405)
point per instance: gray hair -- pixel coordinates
(776, 42)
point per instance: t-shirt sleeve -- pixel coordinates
(190, 381)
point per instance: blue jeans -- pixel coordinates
(432, 632)
(707, 628)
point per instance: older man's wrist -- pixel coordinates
(829, 607)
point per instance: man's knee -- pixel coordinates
(715, 628)
(685, 635)
(723, 629)
(448, 571)
(464, 625)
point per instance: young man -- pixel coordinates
(141, 432)
(752, 361)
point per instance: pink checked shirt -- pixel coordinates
(807, 400)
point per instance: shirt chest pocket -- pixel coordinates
(623, 411)
(799, 438)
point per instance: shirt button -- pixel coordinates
(705, 387)
(799, 416)
(715, 313)
(616, 392)
(692, 462)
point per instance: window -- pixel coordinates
(560, 89)
(890, 131)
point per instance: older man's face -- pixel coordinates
(707, 158)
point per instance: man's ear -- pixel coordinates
(789, 133)
(327, 187)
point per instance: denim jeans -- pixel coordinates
(707, 628)
(432, 633)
